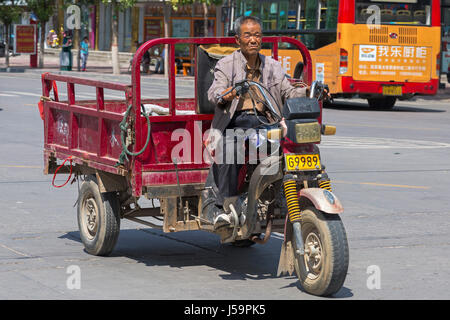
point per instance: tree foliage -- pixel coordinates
(9, 11)
(121, 5)
(176, 3)
(43, 9)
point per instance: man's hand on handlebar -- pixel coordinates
(230, 96)
(326, 95)
(322, 92)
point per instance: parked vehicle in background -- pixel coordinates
(378, 50)
(3, 49)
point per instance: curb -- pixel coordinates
(12, 70)
(96, 75)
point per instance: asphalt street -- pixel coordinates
(390, 170)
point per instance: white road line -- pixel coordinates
(378, 143)
(25, 93)
(8, 95)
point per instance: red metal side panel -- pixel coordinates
(155, 178)
(86, 130)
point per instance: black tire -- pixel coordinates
(243, 243)
(98, 218)
(325, 276)
(448, 77)
(384, 103)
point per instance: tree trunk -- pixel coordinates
(205, 24)
(77, 40)
(166, 35)
(77, 46)
(114, 40)
(7, 46)
(41, 45)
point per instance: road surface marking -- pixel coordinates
(19, 166)
(24, 93)
(15, 251)
(384, 127)
(382, 184)
(378, 143)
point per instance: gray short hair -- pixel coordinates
(239, 21)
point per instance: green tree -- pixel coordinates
(43, 9)
(9, 12)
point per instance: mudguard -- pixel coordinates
(322, 200)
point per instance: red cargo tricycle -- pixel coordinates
(125, 149)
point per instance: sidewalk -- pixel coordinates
(94, 68)
(99, 67)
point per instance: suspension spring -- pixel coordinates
(290, 191)
(325, 184)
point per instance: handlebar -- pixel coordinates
(317, 89)
(316, 92)
(243, 86)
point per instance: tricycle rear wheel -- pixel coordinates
(98, 218)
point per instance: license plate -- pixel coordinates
(392, 90)
(302, 162)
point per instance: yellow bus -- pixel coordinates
(378, 50)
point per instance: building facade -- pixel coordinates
(145, 21)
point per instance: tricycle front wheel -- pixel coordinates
(98, 218)
(323, 268)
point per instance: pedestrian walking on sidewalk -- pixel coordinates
(84, 52)
(66, 53)
(160, 53)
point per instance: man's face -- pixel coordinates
(250, 38)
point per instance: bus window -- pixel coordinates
(319, 15)
(269, 15)
(405, 12)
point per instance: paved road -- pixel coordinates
(389, 168)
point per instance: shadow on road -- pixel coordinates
(197, 248)
(356, 106)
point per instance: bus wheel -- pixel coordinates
(448, 77)
(385, 103)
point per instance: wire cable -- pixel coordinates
(70, 175)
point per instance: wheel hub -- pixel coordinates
(313, 253)
(90, 217)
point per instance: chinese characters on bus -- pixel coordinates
(391, 61)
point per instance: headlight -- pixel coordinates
(307, 132)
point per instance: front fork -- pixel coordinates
(293, 206)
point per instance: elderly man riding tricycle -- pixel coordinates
(240, 160)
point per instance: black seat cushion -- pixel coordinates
(205, 77)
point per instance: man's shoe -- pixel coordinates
(221, 220)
